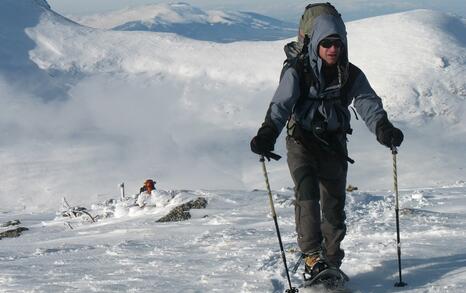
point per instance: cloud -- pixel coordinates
(114, 128)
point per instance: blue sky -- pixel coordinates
(286, 10)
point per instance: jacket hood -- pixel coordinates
(324, 26)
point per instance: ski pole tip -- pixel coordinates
(292, 290)
(400, 284)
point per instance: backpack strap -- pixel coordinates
(353, 73)
(306, 79)
(306, 75)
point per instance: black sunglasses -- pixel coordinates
(327, 43)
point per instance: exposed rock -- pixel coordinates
(13, 232)
(199, 203)
(10, 223)
(177, 214)
(181, 212)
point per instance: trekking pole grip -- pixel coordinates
(270, 155)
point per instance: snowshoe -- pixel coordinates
(318, 272)
(332, 279)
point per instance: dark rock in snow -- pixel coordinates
(13, 232)
(181, 212)
(177, 214)
(10, 223)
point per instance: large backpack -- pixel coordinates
(311, 12)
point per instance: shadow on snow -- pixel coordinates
(416, 272)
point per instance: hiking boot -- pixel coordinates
(314, 264)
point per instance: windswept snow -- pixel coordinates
(231, 246)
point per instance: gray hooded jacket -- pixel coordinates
(321, 97)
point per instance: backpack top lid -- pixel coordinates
(312, 11)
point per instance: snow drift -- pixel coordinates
(231, 246)
(133, 105)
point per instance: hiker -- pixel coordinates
(145, 195)
(150, 196)
(316, 87)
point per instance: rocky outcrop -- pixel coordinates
(12, 233)
(181, 212)
(10, 223)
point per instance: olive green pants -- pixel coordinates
(320, 179)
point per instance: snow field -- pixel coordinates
(231, 246)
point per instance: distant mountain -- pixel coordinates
(188, 21)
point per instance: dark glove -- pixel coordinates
(263, 143)
(387, 134)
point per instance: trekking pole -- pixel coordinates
(398, 243)
(274, 216)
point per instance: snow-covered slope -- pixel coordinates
(15, 65)
(192, 22)
(231, 246)
(144, 104)
(416, 60)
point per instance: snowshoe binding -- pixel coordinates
(318, 272)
